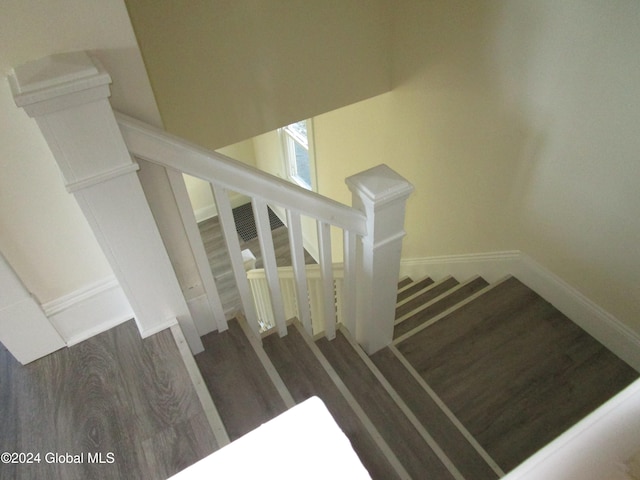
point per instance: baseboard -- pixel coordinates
(168, 323)
(592, 318)
(492, 266)
(89, 310)
(211, 211)
(205, 213)
(596, 321)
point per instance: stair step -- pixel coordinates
(305, 376)
(413, 287)
(425, 295)
(427, 311)
(417, 457)
(514, 370)
(237, 381)
(404, 281)
(451, 439)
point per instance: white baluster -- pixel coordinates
(261, 215)
(299, 269)
(317, 321)
(339, 289)
(326, 267)
(349, 283)
(233, 247)
(197, 247)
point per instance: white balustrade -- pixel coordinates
(95, 158)
(359, 293)
(316, 302)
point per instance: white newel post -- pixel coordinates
(68, 95)
(381, 194)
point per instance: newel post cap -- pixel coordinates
(58, 82)
(380, 185)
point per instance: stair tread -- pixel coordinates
(237, 381)
(432, 291)
(413, 288)
(450, 439)
(413, 452)
(305, 377)
(404, 281)
(440, 306)
(514, 370)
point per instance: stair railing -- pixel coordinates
(372, 236)
(260, 290)
(67, 94)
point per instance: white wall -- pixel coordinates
(42, 231)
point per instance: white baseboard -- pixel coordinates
(592, 318)
(168, 323)
(492, 265)
(205, 213)
(596, 321)
(89, 310)
(211, 211)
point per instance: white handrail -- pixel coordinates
(75, 117)
(373, 229)
(156, 145)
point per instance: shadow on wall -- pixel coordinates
(472, 143)
(522, 119)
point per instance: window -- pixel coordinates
(298, 153)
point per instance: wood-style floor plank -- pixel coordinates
(305, 377)
(514, 370)
(434, 291)
(114, 393)
(439, 307)
(414, 453)
(238, 383)
(451, 440)
(416, 287)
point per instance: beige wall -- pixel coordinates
(269, 154)
(224, 71)
(43, 234)
(576, 86)
(518, 124)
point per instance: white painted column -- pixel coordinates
(67, 94)
(381, 194)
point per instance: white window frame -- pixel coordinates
(289, 138)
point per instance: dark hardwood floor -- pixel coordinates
(238, 383)
(440, 306)
(419, 460)
(128, 399)
(466, 459)
(304, 376)
(514, 370)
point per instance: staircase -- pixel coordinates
(472, 378)
(478, 378)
